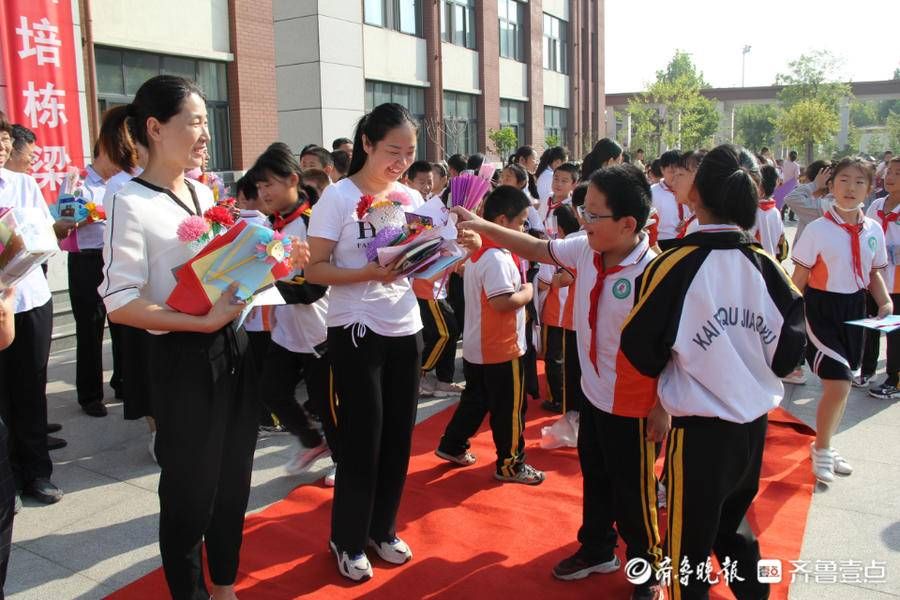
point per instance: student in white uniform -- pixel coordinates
(836, 260)
(375, 344)
(550, 159)
(205, 412)
(23, 365)
(716, 322)
(115, 160)
(681, 184)
(887, 212)
(769, 228)
(670, 214)
(605, 152)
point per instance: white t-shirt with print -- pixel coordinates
(387, 309)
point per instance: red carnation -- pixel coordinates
(363, 206)
(220, 215)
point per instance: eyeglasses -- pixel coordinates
(589, 217)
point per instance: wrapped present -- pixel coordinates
(252, 255)
(26, 242)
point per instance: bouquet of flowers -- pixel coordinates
(198, 230)
(26, 242)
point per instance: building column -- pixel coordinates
(598, 73)
(534, 109)
(252, 100)
(487, 34)
(611, 125)
(844, 132)
(578, 59)
(434, 93)
(726, 121)
(627, 130)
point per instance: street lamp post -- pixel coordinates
(744, 54)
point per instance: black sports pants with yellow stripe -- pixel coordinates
(440, 333)
(554, 361)
(619, 486)
(713, 476)
(498, 390)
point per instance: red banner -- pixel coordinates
(37, 38)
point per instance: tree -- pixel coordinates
(808, 123)
(893, 126)
(504, 140)
(446, 133)
(754, 125)
(672, 112)
(551, 140)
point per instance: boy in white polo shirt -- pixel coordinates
(616, 444)
(670, 214)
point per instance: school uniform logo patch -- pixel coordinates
(872, 244)
(621, 289)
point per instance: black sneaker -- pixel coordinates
(885, 391)
(554, 407)
(577, 567)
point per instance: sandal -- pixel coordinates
(464, 460)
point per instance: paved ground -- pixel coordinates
(103, 534)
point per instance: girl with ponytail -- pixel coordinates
(716, 323)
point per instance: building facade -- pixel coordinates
(463, 68)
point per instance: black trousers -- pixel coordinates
(573, 396)
(281, 374)
(713, 476)
(85, 275)
(7, 505)
(554, 361)
(529, 361)
(439, 334)
(496, 390)
(872, 344)
(206, 436)
(258, 349)
(377, 384)
(619, 487)
(23, 394)
(456, 297)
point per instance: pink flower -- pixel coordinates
(192, 229)
(399, 197)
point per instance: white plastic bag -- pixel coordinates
(562, 434)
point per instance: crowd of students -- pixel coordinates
(661, 312)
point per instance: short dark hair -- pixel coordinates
(627, 192)
(726, 185)
(247, 185)
(669, 158)
(691, 159)
(341, 161)
(851, 162)
(655, 168)
(375, 125)
(161, 98)
(320, 153)
(570, 168)
(337, 143)
(639, 151)
(276, 160)
(21, 135)
(420, 166)
(440, 167)
(566, 219)
(457, 162)
(792, 155)
(579, 194)
(507, 201)
(475, 161)
(519, 173)
(812, 171)
(769, 180)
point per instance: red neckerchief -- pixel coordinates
(280, 221)
(853, 231)
(682, 229)
(887, 218)
(551, 206)
(767, 204)
(486, 244)
(595, 302)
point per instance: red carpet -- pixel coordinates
(475, 538)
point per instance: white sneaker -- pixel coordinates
(354, 568)
(841, 466)
(152, 446)
(305, 457)
(449, 388)
(396, 551)
(426, 386)
(822, 463)
(329, 476)
(797, 377)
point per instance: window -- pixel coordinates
(458, 22)
(460, 124)
(556, 44)
(512, 29)
(404, 16)
(121, 72)
(512, 115)
(556, 124)
(413, 98)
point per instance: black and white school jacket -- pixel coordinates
(717, 322)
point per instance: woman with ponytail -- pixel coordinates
(716, 323)
(374, 341)
(605, 152)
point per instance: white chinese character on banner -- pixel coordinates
(729, 571)
(46, 102)
(46, 43)
(50, 167)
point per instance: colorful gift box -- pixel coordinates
(250, 254)
(26, 242)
